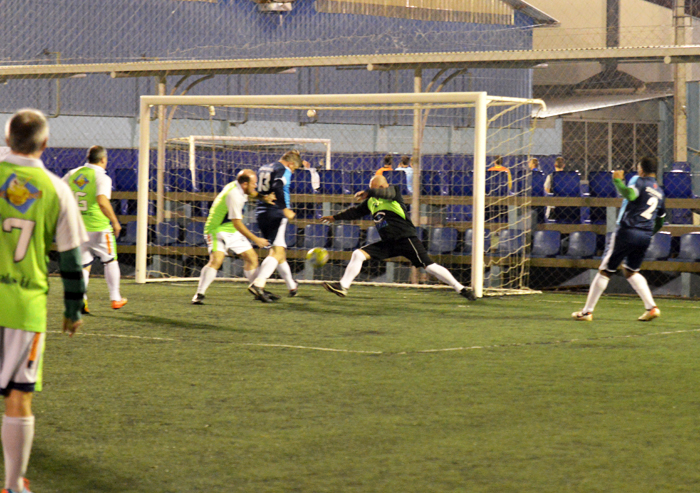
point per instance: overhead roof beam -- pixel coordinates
(500, 59)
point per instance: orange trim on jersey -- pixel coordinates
(35, 349)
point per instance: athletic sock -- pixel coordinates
(251, 274)
(444, 275)
(17, 437)
(640, 285)
(86, 278)
(206, 277)
(353, 269)
(266, 269)
(285, 273)
(600, 282)
(112, 276)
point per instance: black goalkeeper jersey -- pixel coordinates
(388, 210)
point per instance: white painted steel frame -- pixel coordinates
(480, 100)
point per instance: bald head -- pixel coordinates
(248, 180)
(378, 181)
(27, 132)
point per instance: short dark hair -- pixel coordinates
(498, 161)
(406, 160)
(388, 160)
(648, 164)
(559, 162)
(26, 131)
(95, 154)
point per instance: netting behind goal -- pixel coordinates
(452, 152)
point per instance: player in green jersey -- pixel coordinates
(35, 207)
(227, 235)
(92, 188)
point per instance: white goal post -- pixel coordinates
(416, 102)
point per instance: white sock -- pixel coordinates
(17, 437)
(86, 278)
(206, 277)
(112, 276)
(600, 282)
(285, 273)
(266, 269)
(639, 284)
(353, 269)
(251, 274)
(444, 275)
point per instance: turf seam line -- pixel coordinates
(120, 336)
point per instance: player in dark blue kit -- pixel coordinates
(641, 216)
(272, 218)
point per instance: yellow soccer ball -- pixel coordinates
(317, 257)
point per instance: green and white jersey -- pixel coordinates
(227, 206)
(35, 207)
(87, 182)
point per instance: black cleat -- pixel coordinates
(272, 296)
(335, 288)
(468, 294)
(198, 299)
(293, 292)
(259, 294)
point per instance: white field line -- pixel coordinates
(418, 351)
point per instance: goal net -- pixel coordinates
(459, 160)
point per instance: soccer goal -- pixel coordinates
(459, 160)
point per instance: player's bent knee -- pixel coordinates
(18, 404)
(360, 255)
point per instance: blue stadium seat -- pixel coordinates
(442, 240)
(538, 179)
(690, 248)
(301, 183)
(167, 233)
(331, 181)
(545, 244)
(316, 235)
(660, 246)
(291, 235)
(679, 185)
(462, 183)
(205, 181)
(566, 184)
(361, 180)
(510, 242)
(346, 237)
(468, 240)
(582, 244)
(130, 237)
(455, 213)
(125, 180)
(194, 234)
(180, 180)
(398, 178)
(600, 184)
(433, 183)
(372, 235)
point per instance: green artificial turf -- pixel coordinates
(390, 390)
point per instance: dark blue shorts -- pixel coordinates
(628, 245)
(410, 248)
(273, 227)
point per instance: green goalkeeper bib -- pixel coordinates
(29, 209)
(83, 184)
(218, 221)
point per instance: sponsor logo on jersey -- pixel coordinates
(81, 181)
(19, 193)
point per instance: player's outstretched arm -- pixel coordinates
(73, 288)
(259, 242)
(327, 219)
(629, 193)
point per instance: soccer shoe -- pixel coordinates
(116, 305)
(198, 299)
(293, 292)
(272, 296)
(582, 317)
(259, 294)
(85, 310)
(468, 294)
(335, 288)
(25, 490)
(650, 315)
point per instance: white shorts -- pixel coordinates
(20, 360)
(100, 244)
(229, 243)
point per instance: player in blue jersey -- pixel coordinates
(641, 216)
(272, 218)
